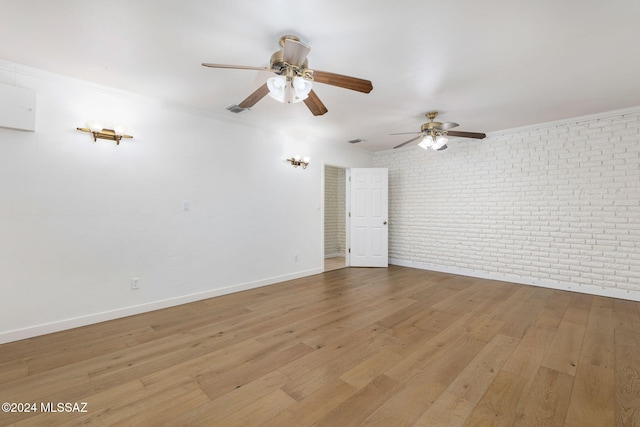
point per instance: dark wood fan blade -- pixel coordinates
(295, 53)
(447, 126)
(405, 133)
(409, 141)
(256, 96)
(475, 135)
(339, 80)
(316, 106)
(236, 67)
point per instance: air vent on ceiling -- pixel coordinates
(235, 108)
(355, 141)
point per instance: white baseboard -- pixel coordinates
(48, 328)
(573, 287)
(65, 324)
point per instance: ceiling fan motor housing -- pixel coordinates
(279, 65)
(281, 68)
(427, 127)
(431, 125)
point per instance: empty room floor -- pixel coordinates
(334, 263)
(385, 347)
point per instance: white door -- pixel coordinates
(368, 214)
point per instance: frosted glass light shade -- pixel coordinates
(426, 143)
(284, 90)
(439, 143)
(277, 88)
(301, 88)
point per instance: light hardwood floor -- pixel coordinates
(376, 347)
(334, 263)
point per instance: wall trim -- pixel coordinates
(567, 121)
(571, 287)
(48, 328)
(547, 125)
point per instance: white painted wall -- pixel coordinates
(79, 220)
(557, 206)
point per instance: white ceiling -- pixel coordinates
(490, 65)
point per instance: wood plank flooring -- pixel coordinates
(334, 263)
(350, 347)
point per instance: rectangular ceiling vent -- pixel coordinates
(235, 108)
(355, 141)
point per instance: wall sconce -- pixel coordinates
(299, 161)
(115, 134)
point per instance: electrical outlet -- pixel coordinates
(135, 283)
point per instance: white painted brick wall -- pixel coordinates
(334, 211)
(554, 205)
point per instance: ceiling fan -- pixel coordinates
(433, 135)
(294, 78)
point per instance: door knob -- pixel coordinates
(385, 223)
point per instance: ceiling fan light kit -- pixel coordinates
(287, 90)
(293, 81)
(437, 143)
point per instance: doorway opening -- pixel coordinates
(335, 213)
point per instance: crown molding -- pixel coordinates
(566, 122)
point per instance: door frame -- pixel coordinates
(347, 222)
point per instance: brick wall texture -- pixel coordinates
(334, 211)
(556, 204)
